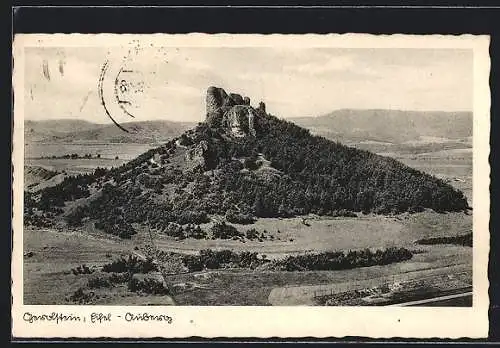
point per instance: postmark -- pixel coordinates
(119, 89)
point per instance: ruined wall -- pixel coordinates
(216, 100)
(231, 111)
(239, 120)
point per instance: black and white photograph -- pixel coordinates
(181, 171)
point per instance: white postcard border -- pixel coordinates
(256, 321)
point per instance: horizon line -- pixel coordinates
(290, 117)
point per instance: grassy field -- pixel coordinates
(47, 273)
(35, 156)
(48, 278)
(323, 234)
(109, 151)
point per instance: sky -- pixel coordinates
(170, 83)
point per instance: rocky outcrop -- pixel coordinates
(239, 120)
(197, 156)
(231, 111)
(216, 100)
(236, 99)
(251, 127)
(262, 107)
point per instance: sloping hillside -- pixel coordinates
(241, 163)
(37, 178)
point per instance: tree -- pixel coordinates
(258, 206)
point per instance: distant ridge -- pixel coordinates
(389, 125)
(67, 131)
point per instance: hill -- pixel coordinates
(405, 126)
(47, 130)
(241, 164)
(37, 178)
(68, 131)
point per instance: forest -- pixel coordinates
(304, 174)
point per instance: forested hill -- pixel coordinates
(242, 163)
(405, 126)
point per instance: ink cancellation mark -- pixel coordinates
(125, 86)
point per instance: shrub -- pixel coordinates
(75, 218)
(120, 229)
(174, 230)
(223, 231)
(192, 217)
(132, 264)
(465, 240)
(340, 260)
(252, 234)
(344, 213)
(250, 163)
(81, 297)
(99, 282)
(239, 218)
(334, 260)
(195, 232)
(193, 263)
(119, 278)
(148, 286)
(249, 259)
(209, 259)
(82, 269)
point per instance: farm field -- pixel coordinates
(126, 151)
(324, 234)
(454, 166)
(47, 272)
(48, 278)
(111, 155)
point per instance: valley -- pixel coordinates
(48, 279)
(248, 209)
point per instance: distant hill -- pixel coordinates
(242, 163)
(47, 130)
(346, 125)
(68, 131)
(352, 125)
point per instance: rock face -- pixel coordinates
(262, 107)
(196, 157)
(239, 120)
(231, 111)
(216, 99)
(236, 98)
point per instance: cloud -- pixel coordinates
(334, 63)
(292, 81)
(177, 90)
(196, 65)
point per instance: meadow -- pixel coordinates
(48, 279)
(110, 155)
